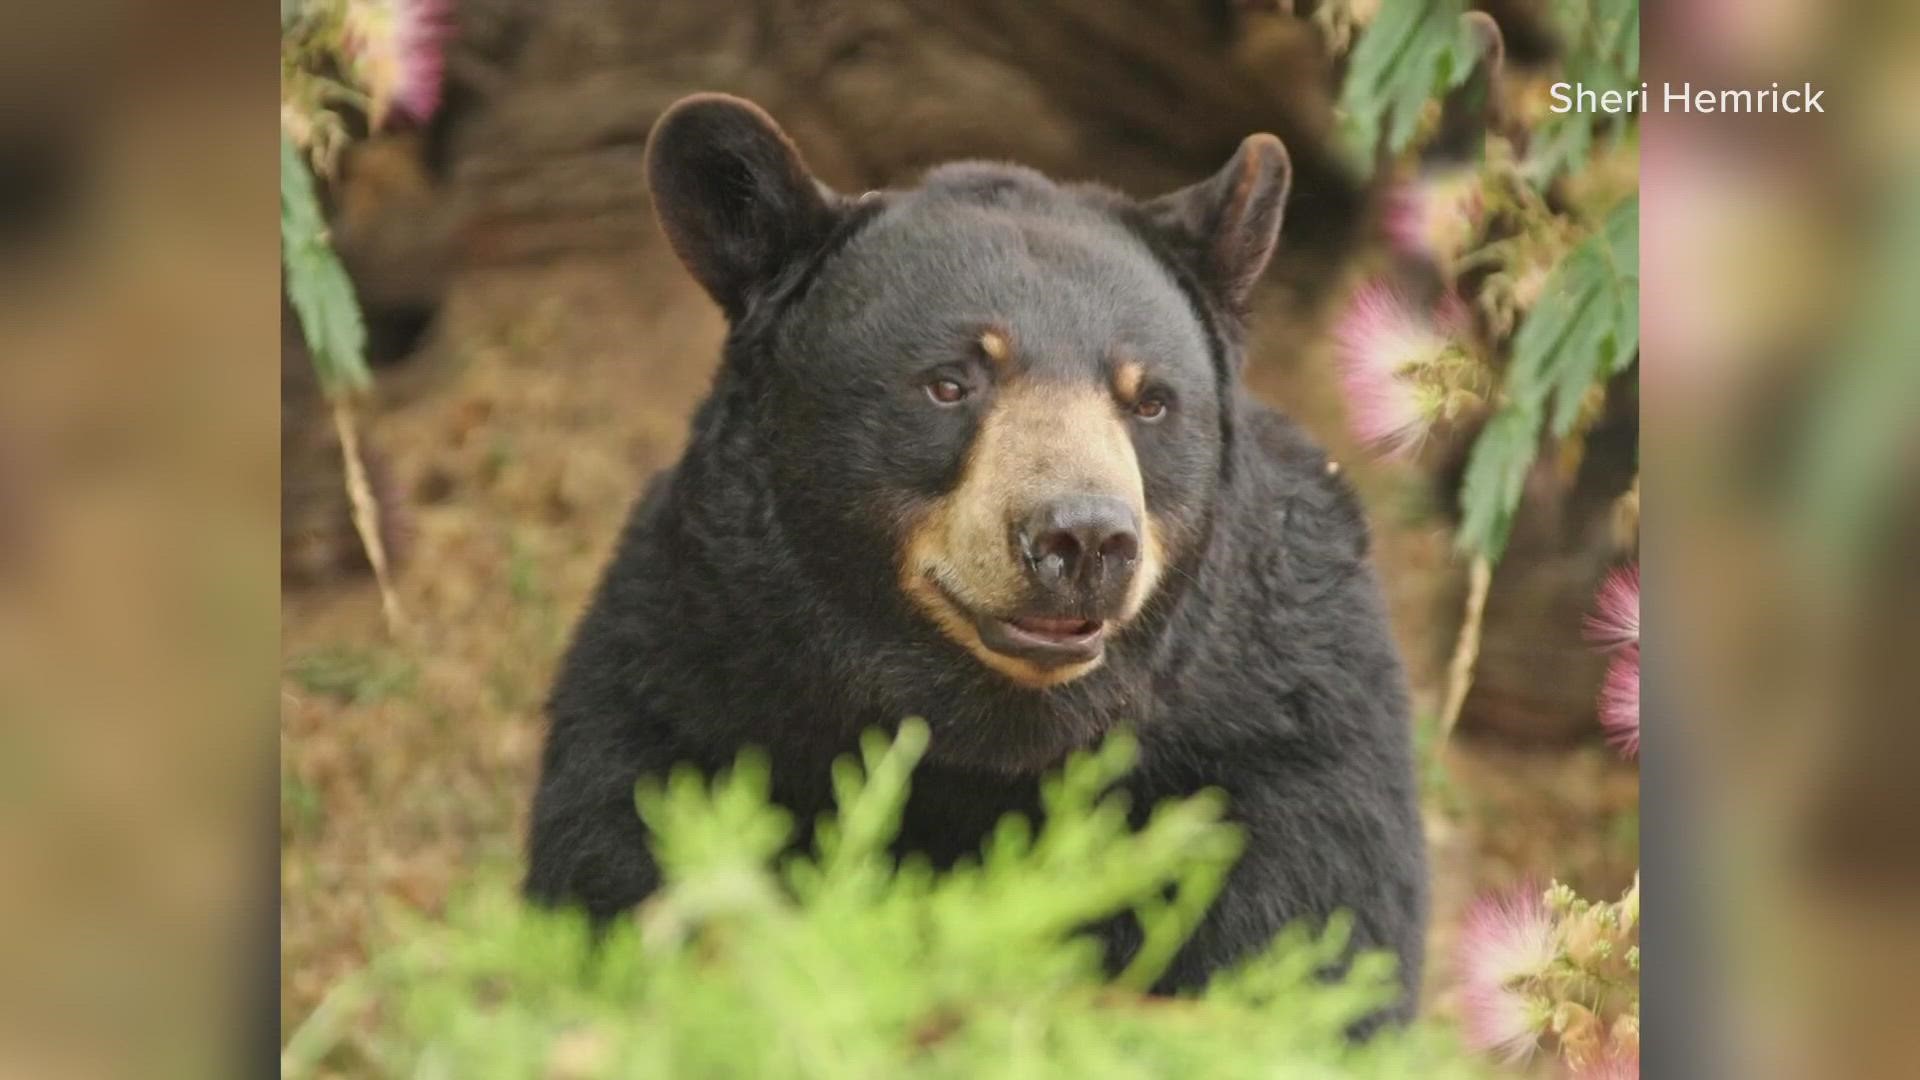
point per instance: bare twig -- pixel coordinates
(366, 513)
(1466, 649)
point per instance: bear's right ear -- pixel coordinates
(733, 196)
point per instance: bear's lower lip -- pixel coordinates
(1044, 641)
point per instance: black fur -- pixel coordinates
(753, 599)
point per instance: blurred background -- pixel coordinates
(536, 353)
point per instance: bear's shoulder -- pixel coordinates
(1287, 650)
(1298, 495)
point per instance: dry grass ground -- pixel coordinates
(518, 441)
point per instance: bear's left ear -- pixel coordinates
(1231, 220)
(733, 195)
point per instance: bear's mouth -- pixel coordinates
(1045, 641)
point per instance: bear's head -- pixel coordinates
(1005, 398)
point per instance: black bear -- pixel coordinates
(979, 452)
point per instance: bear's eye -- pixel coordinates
(1150, 408)
(946, 392)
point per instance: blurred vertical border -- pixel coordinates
(139, 466)
(1781, 388)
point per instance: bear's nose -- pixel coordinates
(1083, 545)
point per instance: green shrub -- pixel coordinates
(840, 963)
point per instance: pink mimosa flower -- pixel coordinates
(1504, 1022)
(1436, 215)
(398, 49)
(1616, 619)
(1506, 939)
(1390, 352)
(1615, 625)
(1620, 701)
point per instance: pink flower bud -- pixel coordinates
(1620, 1066)
(1615, 625)
(1400, 367)
(1616, 619)
(1620, 701)
(397, 51)
(1436, 215)
(1506, 940)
